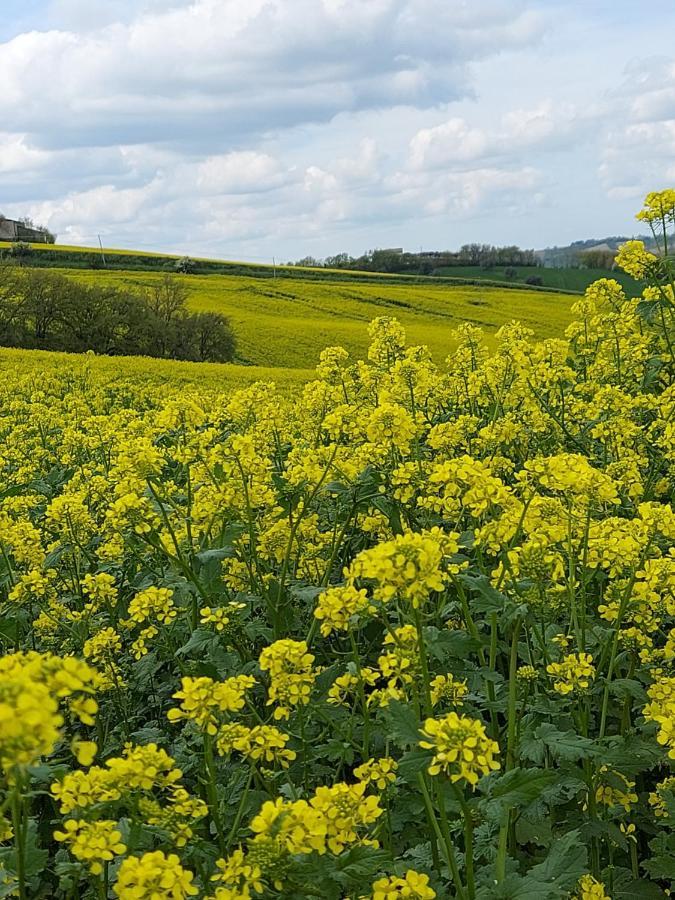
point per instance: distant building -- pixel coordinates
(11, 230)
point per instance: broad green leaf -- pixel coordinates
(625, 688)
(520, 787)
(413, 762)
(517, 887)
(403, 725)
(638, 889)
(200, 640)
(566, 744)
(565, 863)
(446, 645)
(631, 754)
(489, 599)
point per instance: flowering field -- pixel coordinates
(288, 322)
(87, 372)
(410, 635)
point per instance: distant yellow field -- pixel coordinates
(209, 376)
(287, 322)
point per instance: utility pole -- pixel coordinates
(274, 266)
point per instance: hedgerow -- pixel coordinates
(410, 634)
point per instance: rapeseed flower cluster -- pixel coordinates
(412, 886)
(291, 675)
(461, 749)
(203, 700)
(573, 673)
(154, 875)
(589, 888)
(94, 843)
(409, 568)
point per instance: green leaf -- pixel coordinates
(519, 787)
(336, 487)
(145, 668)
(631, 754)
(201, 639)
(307, 594)
(489, 600)
(391, 510)
(403, 725)
(628, 688)
(638, 889)
(34, 858)
(334, 876)
(565, 863)
(214, 555)
(325, 678)
(412, 763)
(15, 490)
(662, 863)
(446, 645)
(150, 734)
(8, 628)
(566, 744)
(359, 865)
(515, 887)
(534, 830)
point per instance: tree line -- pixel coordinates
(40, 309)
(426, 262)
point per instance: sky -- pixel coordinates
(285, 128)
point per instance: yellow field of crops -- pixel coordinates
(407, 633)
(287, 322)
(174, 374)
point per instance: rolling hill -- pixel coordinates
(283, 319)
(286, 323)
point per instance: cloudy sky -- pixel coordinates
(282, 128)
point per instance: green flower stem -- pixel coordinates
(512, 719)
(178, 559)
(473, 631)
(212, 792)
(502, 846)
(571, 589)
(468, 619)
(312, 631)
(251, 530)
(468, 842)
(422, 653)
(389, 839)
(362, 697)
(240, 810)
(634, 858)
(593, 815)
(337, 543)
(468, 851)
(511, 726)
(582, 719)
(623, 606)
(493, 641)
(19, 826)
(442, 833)
(583, 582)
(303, 742)
(281, 581)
